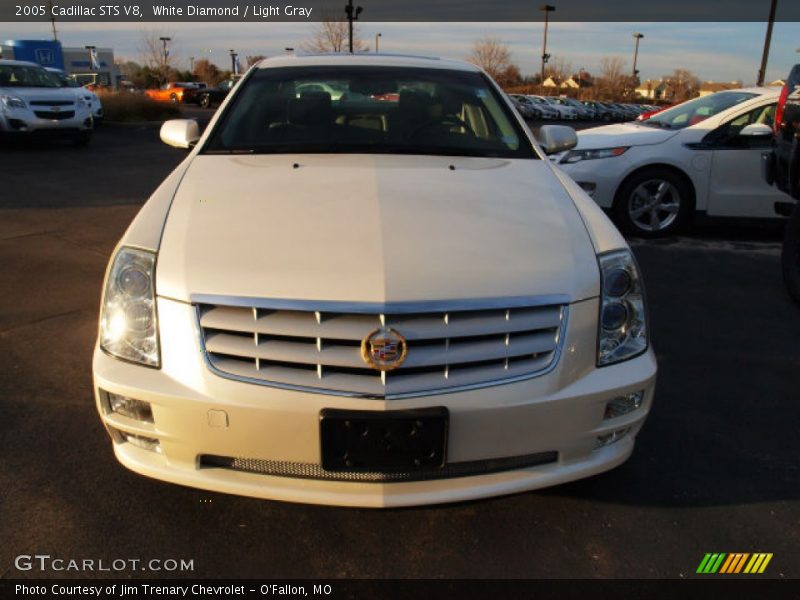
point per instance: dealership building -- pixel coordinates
(89, 64)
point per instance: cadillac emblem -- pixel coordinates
(384, 349)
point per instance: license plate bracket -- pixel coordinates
(384, 441)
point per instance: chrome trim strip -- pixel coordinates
(378, 308)
(343, 394)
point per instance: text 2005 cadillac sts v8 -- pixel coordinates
(365, 285)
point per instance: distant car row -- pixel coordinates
(539, 108)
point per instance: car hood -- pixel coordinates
(373, 228)
(40, 94)
(622, 134)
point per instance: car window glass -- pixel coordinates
(370, 110)
(729, 131)
(697, 110)
(26, 76)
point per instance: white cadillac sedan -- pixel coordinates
(390, 298)
(703, 155)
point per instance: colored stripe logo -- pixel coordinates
(734, 563)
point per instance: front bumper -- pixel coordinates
(25, 122)
(602, 175)
(197, 413)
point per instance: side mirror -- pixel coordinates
(180, 133)
(557, 138)
(756, 130)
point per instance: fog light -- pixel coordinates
(129, 407)
(140, 441)
(17, 124)
(622, 405)
(611, 438)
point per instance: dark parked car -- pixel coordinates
(601, 111)
(781, 167)
(213, 96)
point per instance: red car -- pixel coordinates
(650, 113)
(174, 91)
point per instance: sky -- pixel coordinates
(713, 51)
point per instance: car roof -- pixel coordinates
(17, 63)
(365, 59)
(761, 91)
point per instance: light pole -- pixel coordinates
(767, 40)
(233, 61)
(164, 41)
(191, 64)
(547, 9)
(637, 37)
(635, 73)
(352, 15)
(165, 55)
(91, 50)
(377, 35)
(52, 19)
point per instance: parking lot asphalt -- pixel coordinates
(715, 468)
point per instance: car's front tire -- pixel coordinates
(790, 257)
(653, 203)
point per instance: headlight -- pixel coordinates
(128, 326)
(13, 102)
(578, 155)
(622, 331)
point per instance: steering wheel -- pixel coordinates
(441, 121)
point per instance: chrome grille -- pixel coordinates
(314, 471)
(320, 350)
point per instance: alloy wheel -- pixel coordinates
(654, 205)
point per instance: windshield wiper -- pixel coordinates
(235, 151)
(365, 149)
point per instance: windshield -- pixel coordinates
(360, 109)
(692, 112)
(64, 80)
(26, 76)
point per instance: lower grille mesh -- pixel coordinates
(314, 471)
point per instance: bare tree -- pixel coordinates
(492, 55)
(332, 35)
(207, 71)
(154, 56)
(251, 60)
(613, 80)
(511, 77)
(683, 84)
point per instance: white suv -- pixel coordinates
(32, 102)
(388, 299)
(92, 99)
